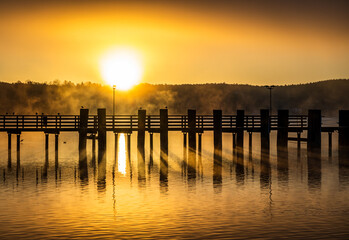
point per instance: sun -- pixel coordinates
(121, 67)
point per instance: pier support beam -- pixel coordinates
(314, 130)
(282, 132)
(140, 144)
(163, 144)
(56, 150)
(265, 131)
(192, 143)
(151, 146)
(102, 146)
(217, 142)
(82, 143)
(18, 150)
(46, 148)
(240, 116)
(94, 150)
(9, 146)
(343, 140)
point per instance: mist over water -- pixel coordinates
(68, 98)
(287, 195)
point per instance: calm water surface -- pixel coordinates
(292, 197)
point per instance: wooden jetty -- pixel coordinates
(94, 127)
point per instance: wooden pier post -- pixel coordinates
(314, 130)
(217, 142)
(56, 150)
(185, 154)
(9, 146)
(240, 117)
(250, 140)
(343, 138)
(94, 150)
(163, 144)
(18, 150)
(151, 146)
(102, 145)
(329, 144)
(46, 148)
(82, 143)
(282, 132)
(116, 146)
(140, 144)
(265, 131)
(192, 143)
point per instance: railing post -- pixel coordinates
(192, 142)
(140, 144)
(163, 144)
(82, 143)
(217, 142)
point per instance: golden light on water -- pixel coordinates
(122, 67)
(122, 154)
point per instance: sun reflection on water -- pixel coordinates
(122, 154)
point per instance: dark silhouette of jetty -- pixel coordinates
(95, 127)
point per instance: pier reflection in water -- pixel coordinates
(246, 192)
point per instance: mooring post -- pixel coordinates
(18, 150)
(46, 147)
(163, 144)
(192, 143)
(140, 143)
(343, 138)
(234, 142)
(82, 143)
(151, 146)
(9, 161)
(102, 143)
(240, 116)
(56, 150)
(265, 131)
(282, 132)
(329, 144)
(116, 143)
(217, 142)
(249, 140)
(314, 130)
(93, 150)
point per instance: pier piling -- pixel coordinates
(192, 143)
(282, 131)
(265, 131)
(102, 140)
(140, 144)
(163, 144)
(18, 150)
(82, 143)
(314, 130)
(9, 146)
(217, 142)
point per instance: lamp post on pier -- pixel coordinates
(270, 102)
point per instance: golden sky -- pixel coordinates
(259, 42)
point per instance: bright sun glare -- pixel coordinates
(122, 67)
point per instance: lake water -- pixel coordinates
(297, 198)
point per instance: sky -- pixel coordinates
(245, 42)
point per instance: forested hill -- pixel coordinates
(67, 98)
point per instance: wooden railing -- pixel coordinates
(175, 122)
